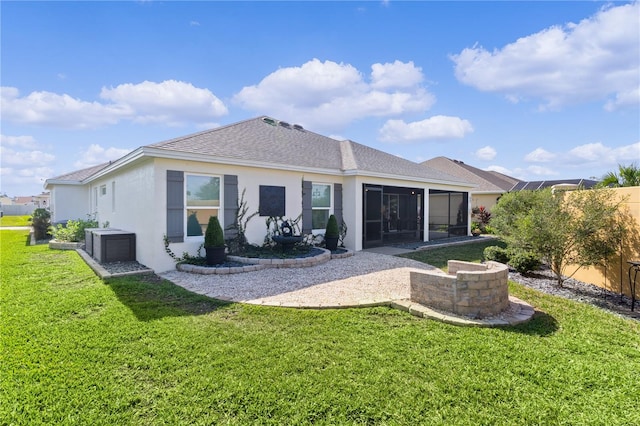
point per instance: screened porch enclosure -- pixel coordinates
(392, 215)
(448, 214)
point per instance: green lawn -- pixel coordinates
(76, 350)
(438, 256)
(15, 221)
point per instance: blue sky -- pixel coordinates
(537, 90)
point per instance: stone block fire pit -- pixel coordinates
(469, 289)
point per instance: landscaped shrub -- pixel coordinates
(332, 229)
(73, 231)
(332, 233)
(524, 261)
(41, 221)
(497, 254)
(488, 229)
(214, 236)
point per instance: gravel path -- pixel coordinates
(544, 281)
(362, 278)
(339, 282)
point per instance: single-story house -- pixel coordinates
(490, 185)
(282, 169)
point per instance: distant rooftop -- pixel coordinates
(486, 181)
(540, 184)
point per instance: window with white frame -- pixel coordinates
(320, 205)
(103, 190)
(202, 201)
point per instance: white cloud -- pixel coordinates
(592, 159)
(599, 154)
(23, 163)
(395, 75)
(500, 169)
(22, 151)
(541, 171)
(329, 95)
(486, 153)
(436, 127)
(96, 154)
(51, 109)
(527, 173)
(596, 59)
(624, 99)
(24, 158)
(172, 102)
(169, 102)
(539, 155)
(28, 142)
(18, 178)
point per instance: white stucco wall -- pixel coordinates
(131, 207)
(139, 203)
(249, 179)
(69, 202)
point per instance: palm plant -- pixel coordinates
(626, 176)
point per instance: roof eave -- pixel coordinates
(131, 157)
(366, 173)
(49, 182)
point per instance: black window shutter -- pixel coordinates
(337, 202)
(175, 206)
(306, 207)
(230, 204)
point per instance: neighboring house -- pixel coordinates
(42, 200)
(490, 185)
(541, 184)
(24, 205)
(158, 189)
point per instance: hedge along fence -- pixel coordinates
(613, 276)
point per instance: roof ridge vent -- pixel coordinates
(298, 127)
(284, 124)
(269, 120)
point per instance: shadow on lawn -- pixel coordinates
(150, 297)
(541, 324)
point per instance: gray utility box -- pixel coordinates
(88, 239)
(113, 245)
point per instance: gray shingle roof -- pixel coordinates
(80, 175)
(485, 180)
(266, 140)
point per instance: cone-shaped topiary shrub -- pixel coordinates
(332, 229)
(332, 233)
(214, 236)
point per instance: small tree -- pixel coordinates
(41, 222)
(563, 229)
